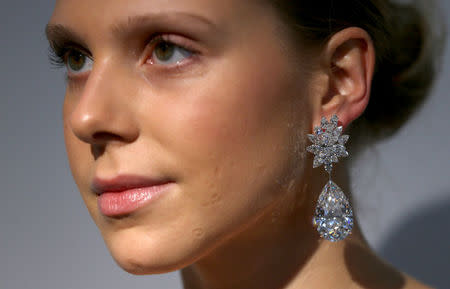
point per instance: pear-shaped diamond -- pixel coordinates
(333, 216)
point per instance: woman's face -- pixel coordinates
(217, 106)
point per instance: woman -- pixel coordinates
(186, 126)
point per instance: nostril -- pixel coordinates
(105, 136)
(97, 150)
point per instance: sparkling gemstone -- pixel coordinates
(317, 161)
(317, 130)
(343, 139)
(333, 215)
(329, 167)
(323, 122)
(327, 143)
(334, 120)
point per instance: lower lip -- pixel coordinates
(120, 203)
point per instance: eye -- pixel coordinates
(77, 62)
(168, 53)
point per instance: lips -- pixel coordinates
(125, 194)
(125, 182)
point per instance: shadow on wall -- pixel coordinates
(420, 246)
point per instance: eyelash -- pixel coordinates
(58, 53)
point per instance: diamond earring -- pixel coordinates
(333, 216)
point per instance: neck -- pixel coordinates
(281, 249)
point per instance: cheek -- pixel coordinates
(241, 117)
(231, 134)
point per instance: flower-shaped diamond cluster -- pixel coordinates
(328, 143)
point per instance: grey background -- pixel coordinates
(47, 239)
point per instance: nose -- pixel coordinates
(102, 111)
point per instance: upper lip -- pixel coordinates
(124, 182)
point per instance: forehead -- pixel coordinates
(107, 11)
(94, 20)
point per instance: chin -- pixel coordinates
(139, 253)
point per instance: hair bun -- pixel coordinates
(407, 61)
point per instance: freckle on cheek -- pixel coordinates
(213, 199)
(198, 232)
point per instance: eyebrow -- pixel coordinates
(58, 34)
(138, 21)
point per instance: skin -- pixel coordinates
(228, 127)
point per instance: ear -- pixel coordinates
(348, 62)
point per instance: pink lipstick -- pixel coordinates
(125, 194)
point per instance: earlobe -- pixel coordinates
(349, 59)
